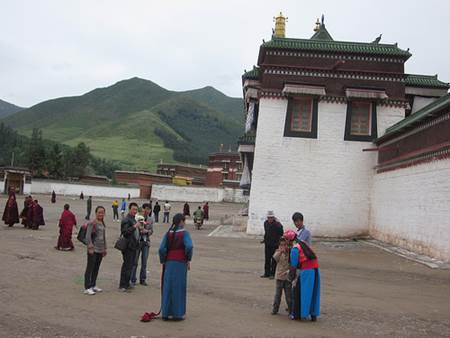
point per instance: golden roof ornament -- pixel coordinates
(280, 26)
(317, 28)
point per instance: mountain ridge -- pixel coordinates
(113, 121)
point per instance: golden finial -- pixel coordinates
(280, 26)
(317, 28)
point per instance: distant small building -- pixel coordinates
(224, 169)
(196, 172)
(143, 179)
(16, 179)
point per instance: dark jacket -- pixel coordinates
(129, 232)
(272, 233)
(156, 208)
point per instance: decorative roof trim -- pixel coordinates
(335, 56)
(427, 81)
(337, 46)
(303, 89)
(360, 93)
(334, 74)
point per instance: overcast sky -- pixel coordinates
(57, 48)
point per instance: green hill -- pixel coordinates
(7, 108)
(137, 123)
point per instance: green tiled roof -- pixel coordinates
(418, 116)
(251, 74)
(322, 34)
(337, 46)
(248, 138)
(416, 80)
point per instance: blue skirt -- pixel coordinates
(306, 294)
(174, 290)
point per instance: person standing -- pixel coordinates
(175, 254)
(38, 215)
(123, 208)
(81, 196)
(206, 211)
(167, 208)
(273, 230)
(96, 250)
(24, 214)
(156, 210)
(305, 274)
(66, 223)
(130, 230)
(282, 283)
(145, 231)
(303, 234)
(89, 207)
(53, 197)
(115, 207)
(11, 212)
(186, 209)
(199, 215)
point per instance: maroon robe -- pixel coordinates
(66, 223)
(37, 216)
(186, 210)
(24, 214)
(206, 212)
(11, 213)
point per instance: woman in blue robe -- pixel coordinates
(175, 253)
(306, 284)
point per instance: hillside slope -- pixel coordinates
(137, 123)
(7, 108)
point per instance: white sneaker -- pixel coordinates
(89, 292)
(96, 289)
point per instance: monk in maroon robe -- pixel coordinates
(66, 224)
(11, 213)
(206, 211)
(37, 215)
(24, 214)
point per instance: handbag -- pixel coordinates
(121, 243)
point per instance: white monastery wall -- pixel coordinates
(411, 208)
(327, 179)
(64, 188)
(197, 194)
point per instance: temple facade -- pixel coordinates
(315, 110)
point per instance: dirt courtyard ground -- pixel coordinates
(366, 292)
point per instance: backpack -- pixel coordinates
(82, 233)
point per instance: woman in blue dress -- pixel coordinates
(175, 253)
(306, 282)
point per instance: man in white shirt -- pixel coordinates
(166, 209)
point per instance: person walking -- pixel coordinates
(53, 197)
(96, 250)
(37, 216)
(206, 211)
(186, 209)
(145, 231)
(273, 230)
(167, 208)
(156, 210)
(11, 212)
(81, 196)
(66, 223)
(130, 230)
(115, 207)
(28, 202)
(89, 207)
(123, 208)
(175, 254)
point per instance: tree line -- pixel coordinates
(45, 158)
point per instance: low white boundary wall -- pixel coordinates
(65, 188)
(197, 194)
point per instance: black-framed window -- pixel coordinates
(301, 117)
(361, 121)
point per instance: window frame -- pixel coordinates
(288, 132)
(348, 136)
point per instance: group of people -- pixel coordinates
(32, 214)
(175, 254)
(200, 215)
(291, 261)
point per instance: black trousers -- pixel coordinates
(115, 214)
(129, 256)
(93, 265)
(269, 264)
